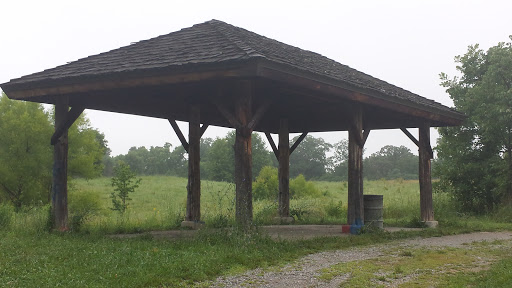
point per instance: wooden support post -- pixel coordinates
(194, 175)
(60, 167)
(243, 153)
(427, 211)
(355, 159)
(284, 169)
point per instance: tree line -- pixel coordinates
(309, 159)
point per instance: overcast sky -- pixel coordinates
(406, 43)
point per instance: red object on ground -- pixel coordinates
(345, 228)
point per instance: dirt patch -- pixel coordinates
(305, 272)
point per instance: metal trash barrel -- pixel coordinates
(373, 210)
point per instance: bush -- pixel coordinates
(300, 188)
(266, 185)
(81, 206)
(6, 214)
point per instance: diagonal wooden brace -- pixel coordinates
(71, 117)
(296, 144)
(179, 134)
(272, 144)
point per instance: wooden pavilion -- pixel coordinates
(218, 74)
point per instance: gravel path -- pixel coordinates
(304, 272)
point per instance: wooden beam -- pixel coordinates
(366, 133)
(259, 113)
(177, 130)
(69, 118)
(413, 139)
(243, 154)
(131, 82)
(194, 174)
(203, 129)
(228, 115)
(296, 144)
(425, 177)
(272, 144)
(284, 169)
(60, 167)
(355, 213)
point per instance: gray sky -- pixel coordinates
(406, 43)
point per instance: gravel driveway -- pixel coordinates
(304, 272)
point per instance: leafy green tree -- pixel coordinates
(219, 161)
(25, 152)
(476, 158)
(124, 183)
(309, 158)
(391, 162)
(87, 146)
(178, 162)
(26, 156)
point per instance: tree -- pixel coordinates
(391, 162)
(309, 158)
(177, 162)
(476, 158)
(26, 154)
(124, 183)
(219, 161)
(87, 146)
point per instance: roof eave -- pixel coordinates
(322, 84)
(19, 90)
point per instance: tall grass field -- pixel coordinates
(160, 203)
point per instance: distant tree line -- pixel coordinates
(310, 159)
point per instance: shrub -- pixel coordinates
(300, 188)
(334, 209)
(266, 185)
(81, 206)
(124, 182)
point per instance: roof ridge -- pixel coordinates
(220, 27)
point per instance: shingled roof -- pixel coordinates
(213, 44)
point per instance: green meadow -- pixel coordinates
(160, 202)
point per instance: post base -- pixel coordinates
(192, 224)
(284, 220)
(431, 224)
